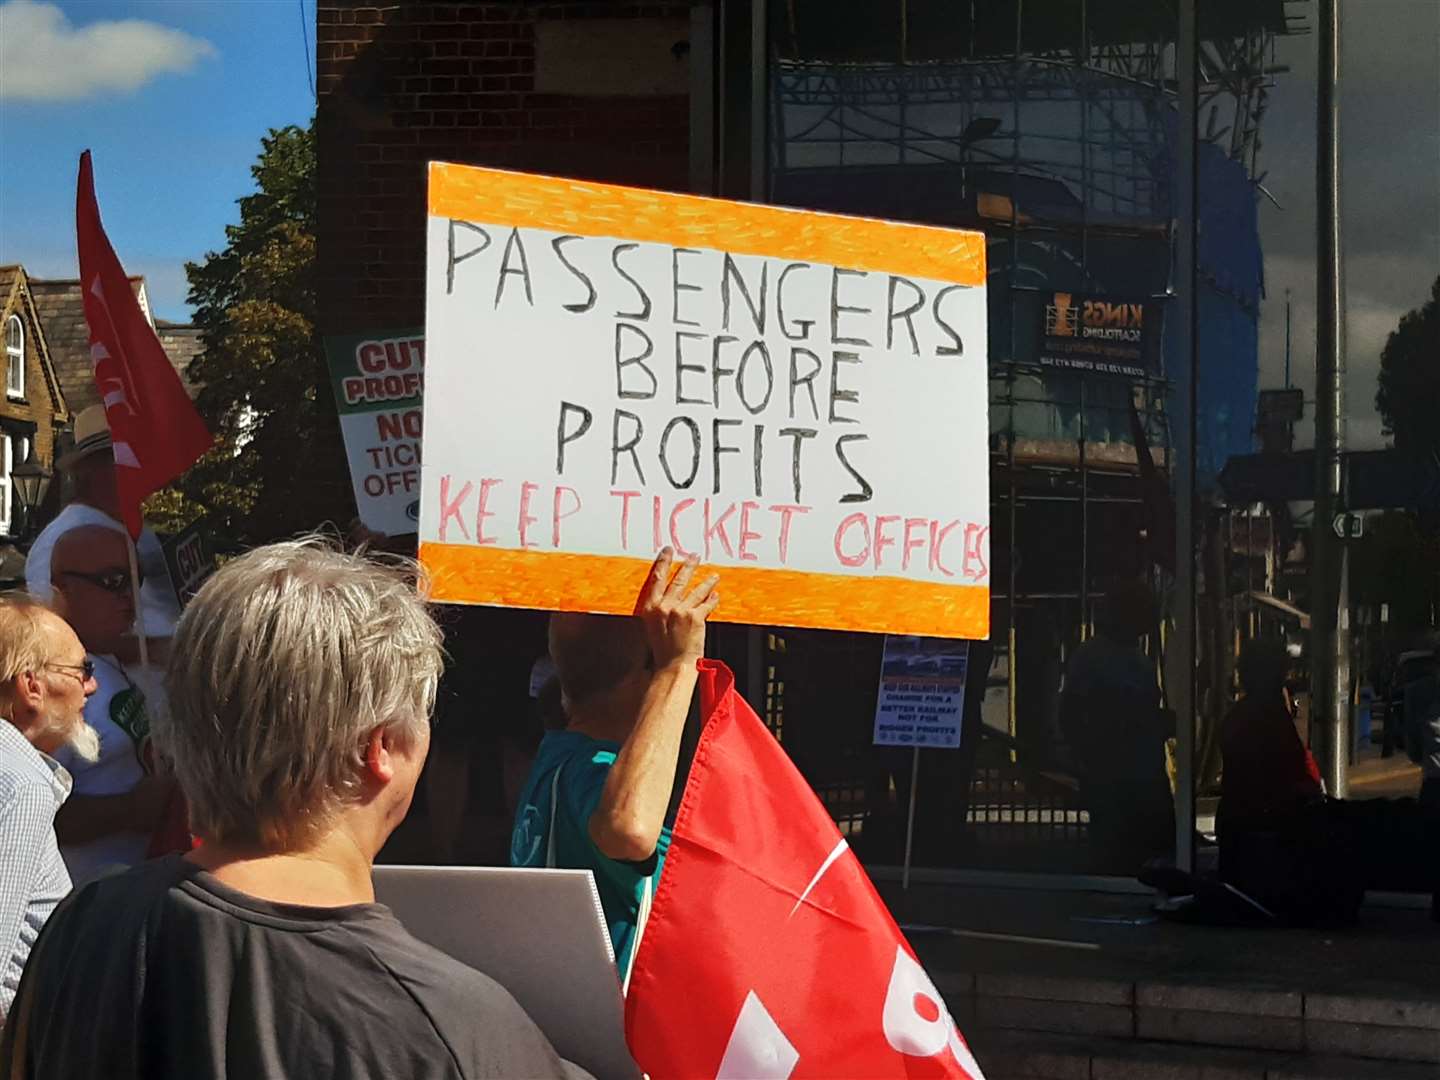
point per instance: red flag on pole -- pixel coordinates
(768, 954)
(154, 428)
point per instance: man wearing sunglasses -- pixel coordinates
(89, 468)
(119, 800)
(44, 681)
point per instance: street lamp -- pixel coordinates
(32, 481)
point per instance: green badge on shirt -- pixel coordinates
(127, 712)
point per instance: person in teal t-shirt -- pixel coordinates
(598, 792)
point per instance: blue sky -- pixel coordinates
(172, 97)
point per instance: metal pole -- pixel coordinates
(1084, 522)
(702, 99)
(759, 96)
(135, 593)
(910, 821)
(755, 675)
(1287, 339)
(1330, 708)
(1187, 205)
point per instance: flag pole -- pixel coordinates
(910, 820)
(135, 592)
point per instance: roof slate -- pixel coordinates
(62, 313)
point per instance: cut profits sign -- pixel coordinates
(797, 398)
(378, 379)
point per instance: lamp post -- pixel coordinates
(32, 481)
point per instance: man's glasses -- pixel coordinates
(115, 581)
(86, 669)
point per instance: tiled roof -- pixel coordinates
(182, 345)
(62, 313)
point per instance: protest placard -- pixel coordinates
(378, 379)
(922, 692)
(189, 560)
(798, 398)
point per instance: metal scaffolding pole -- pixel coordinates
(1330, 658)
(1187, 204)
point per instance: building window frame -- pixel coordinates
(17, 442)
(14, 359)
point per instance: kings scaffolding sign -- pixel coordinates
(1103, 335)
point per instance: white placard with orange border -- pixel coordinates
(799, 398)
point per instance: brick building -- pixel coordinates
(45, 321)
(596, 91)
(34, 410)
(925, 111)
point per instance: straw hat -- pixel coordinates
(92, 434)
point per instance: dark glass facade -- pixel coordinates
(1056, 129)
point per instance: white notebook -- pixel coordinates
(539, 933)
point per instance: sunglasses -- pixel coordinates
(86, 669)
(115, 581)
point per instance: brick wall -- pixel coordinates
(38, 406)
(405, 84)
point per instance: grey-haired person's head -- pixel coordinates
(283, 666)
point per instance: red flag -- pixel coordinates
(154, 428)
(768, 953)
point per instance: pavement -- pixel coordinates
(1393, 951)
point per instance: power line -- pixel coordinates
(305, 37)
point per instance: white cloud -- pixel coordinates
(45, 57)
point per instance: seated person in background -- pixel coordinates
(599, 792)
(1278, 844)
(301, 686)
(118, 801)
(1268, 775)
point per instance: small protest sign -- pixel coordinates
(922, 692)
(378, 379)
(800, 399)
(189, 560)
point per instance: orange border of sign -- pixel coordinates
(524, 201)
(464, 573)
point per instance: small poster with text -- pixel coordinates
(379, 380)
(922, 692)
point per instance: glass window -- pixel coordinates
(8, 461)
(14, 358)
(936, 113)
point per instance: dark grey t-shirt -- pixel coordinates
(165, 972)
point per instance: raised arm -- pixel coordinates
(627, 822)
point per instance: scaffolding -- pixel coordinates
(1052, 125)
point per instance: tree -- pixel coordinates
(1408, 396)
(278, 467)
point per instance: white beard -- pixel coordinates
(85, 741)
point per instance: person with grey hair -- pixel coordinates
(44, 681)
(300, 685)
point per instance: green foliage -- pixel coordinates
(278, 467)
(1396, 563)
(1408, 395)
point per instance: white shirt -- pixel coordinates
(118, 710)
(159, 608)
(32, 876)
